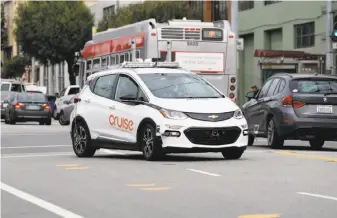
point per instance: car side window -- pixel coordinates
(126, 87)
(104, 85)
(62, 92)
(281, 86)
(273, 87)
(264, 90)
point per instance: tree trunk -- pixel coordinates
(72, 77)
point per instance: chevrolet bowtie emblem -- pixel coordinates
(213, 116)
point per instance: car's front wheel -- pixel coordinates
(232, 153)
(81, 140)
(251, 139)
(62, 119)
(316, 144)
(151, 147)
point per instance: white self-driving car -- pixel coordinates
(156, 108)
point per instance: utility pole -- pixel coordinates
(329, 52)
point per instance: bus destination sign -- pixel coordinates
(212, 34)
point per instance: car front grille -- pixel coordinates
(211, 117)
(213, 136)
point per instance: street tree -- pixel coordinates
(162, 11)
(54, 31)
(15, 67)
(3, 28)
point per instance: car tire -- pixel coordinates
(6, 120)
(61, 119)
(11, 119)
(316, 144)
(48, 122)
(273, 138)
(151, 147)
(251, 139)
(81, 140)
(232, 153)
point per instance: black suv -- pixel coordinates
(296, 107)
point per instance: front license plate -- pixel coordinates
(32, 107)
(324, 109)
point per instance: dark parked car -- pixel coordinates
(28, 106)
(5, 96)
(296, 107)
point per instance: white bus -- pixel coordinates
(206, 48)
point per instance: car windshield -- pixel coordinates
(179, 85)
(32, 97)
(314, 85)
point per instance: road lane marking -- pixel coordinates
(38, 146)
(156, 189)
(37, 155)
(77, 168)
(66, 165)
(260, 216)
(318, 196)
(39, 202)
(107, 151)
(141, 185)
(289, 153)
(203, 172)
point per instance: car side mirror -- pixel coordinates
(128, 98)
(57, 95)
(250, 95)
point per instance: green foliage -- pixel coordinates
(3, 29)
(162, 11)
(53, 30)
(15, 67)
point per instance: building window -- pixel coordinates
(245, 5)
(220, 10)
(270, 2)
(108, 10)
(304, 35)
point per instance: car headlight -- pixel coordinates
(238, 114)
(175, 115)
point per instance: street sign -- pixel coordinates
(334, 45)
(239, 44)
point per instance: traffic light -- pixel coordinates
(334, 30)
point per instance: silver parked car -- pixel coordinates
(65, 111)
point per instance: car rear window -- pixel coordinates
(314, 85)
(32, 97)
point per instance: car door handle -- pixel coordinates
(112, 107)
(87, 100)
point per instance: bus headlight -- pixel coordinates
(238, 114)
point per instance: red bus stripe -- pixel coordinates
(112, 46)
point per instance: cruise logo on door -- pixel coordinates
(121, 123)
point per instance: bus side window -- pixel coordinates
(104, 62)
(112, 60)
(137, 54)
(130, 56)
(96, 64)
(121, 58)
(127, 56)
(117, 59)
(89, 65)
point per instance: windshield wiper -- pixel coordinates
(330, 93)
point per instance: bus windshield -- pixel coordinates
(179, 85)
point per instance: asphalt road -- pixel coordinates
(42, 178)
